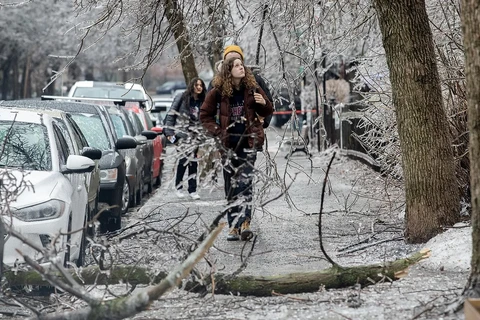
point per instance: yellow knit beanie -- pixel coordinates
(233, 48)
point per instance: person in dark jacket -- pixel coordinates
(231, 111)
(181, 120)
(234, 51)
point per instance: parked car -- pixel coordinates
(53, 202)
(76, 141)
(110, 90)
(157, 143)
(95, 125)
(136, 159)
(170, 87)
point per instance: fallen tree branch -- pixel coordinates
(335, 277)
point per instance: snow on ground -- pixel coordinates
(451, 250)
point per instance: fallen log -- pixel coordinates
(335, 277)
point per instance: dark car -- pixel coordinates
(155, 171)
(170, 87)
(135, 158)
(99, 132)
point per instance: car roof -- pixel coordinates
(23, 115)
(67, 106)
(32, 106)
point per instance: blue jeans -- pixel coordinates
(238, 176)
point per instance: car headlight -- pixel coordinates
(51, 209)
(109, 175)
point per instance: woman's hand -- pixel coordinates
(259, 98)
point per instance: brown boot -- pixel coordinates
(233, 235)
(245, 232)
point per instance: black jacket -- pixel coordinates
(179, 117)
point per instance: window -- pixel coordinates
(62, 145)
(92, 128)
(119, 125)
(65, 133)
(26, 146)
(77, 133)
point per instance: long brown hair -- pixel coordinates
(223, 81)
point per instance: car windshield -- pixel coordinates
(108, 92)
(119, 125)
(25, 145)
(93, 130)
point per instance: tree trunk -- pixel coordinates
(471, 40)
(180, 32)
(244, 285)
(6, 79)
(431, 192)
(16, 76)
(216, 12)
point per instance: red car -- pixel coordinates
(157, 143)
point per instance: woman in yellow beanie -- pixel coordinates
(230, 112)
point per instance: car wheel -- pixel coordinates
(150, 186)
(158, 180)
(139, 195)
(111, 219)
(125, 197)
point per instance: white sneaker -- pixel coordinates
(194, 196)
(180, 194)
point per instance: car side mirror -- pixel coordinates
(78, 164)
(126, 143)
(92, 153)
(150, 135)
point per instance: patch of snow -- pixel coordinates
(450, 250)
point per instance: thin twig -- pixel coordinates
(373, 244)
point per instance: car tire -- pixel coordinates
(158, 180)
(150, 186)
(113, 218)
(139, 195)
(125, 197)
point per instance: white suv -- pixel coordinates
(110, 90)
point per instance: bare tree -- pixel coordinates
(470, 22)
(431, 191)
